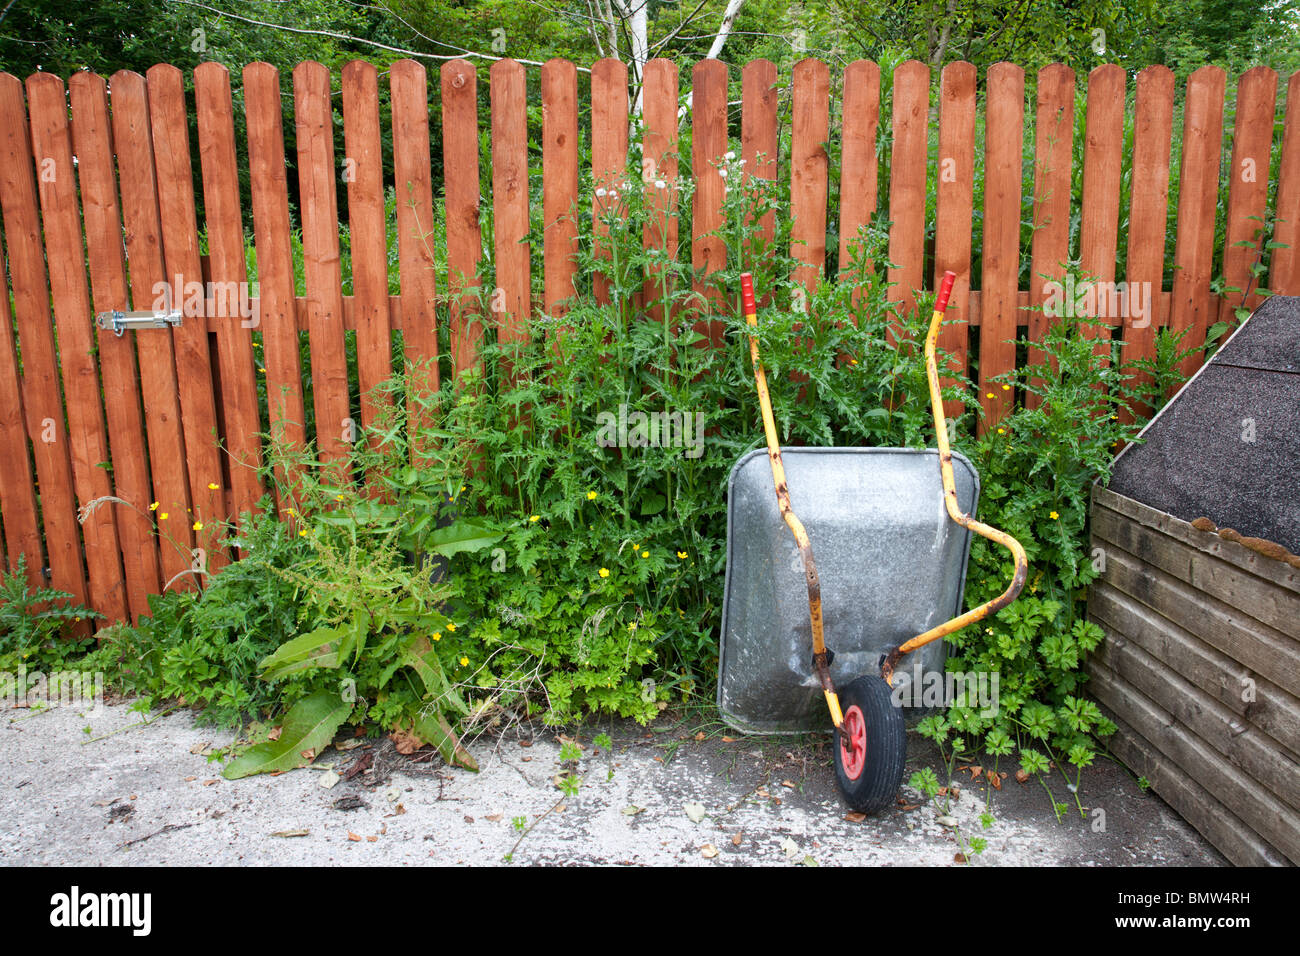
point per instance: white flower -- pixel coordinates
(722, 173)
(600, 193)
(660, 184)
(613, 194)
(730, 155)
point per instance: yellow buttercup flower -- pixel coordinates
(535, 518)
(645, 554)
(682, 555)
(988, 394)
(437, 635)
(302, 533)
(632, 626)
(1006, 388)
(213, 486)
(464, 661)
(198, 526)
(154, 506)
(604, 572)
(1002, 431)
(163, 516)
(1053, 516)
(591, 496)
(451, 626)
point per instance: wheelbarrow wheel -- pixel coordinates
(871, 746)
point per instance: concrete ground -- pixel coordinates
(684, 791)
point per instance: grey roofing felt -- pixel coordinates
(1227, 447)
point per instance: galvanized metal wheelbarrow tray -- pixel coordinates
(891, 528)
(890, 562)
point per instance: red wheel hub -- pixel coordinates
(853, 742)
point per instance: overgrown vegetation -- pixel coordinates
(40, 628)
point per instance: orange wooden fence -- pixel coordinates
(119, 456)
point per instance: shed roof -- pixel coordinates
(1227, 446)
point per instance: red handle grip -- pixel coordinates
(747, 294)
(945, 290)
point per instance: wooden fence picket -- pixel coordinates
(659, 174)
(22, 528)
(1053, 162)
(1252, 153)
(809, 168)
(56, 188)
(858, 164)
(560, 176)
(42, 393)
(1149, 204)
(159, 388)
(314, 129)
(1102, 170)
(1198, 190)
(275, 278)
(92, 141)
(708, 150)
(363, 175)
(907, 182)
(1284, 264)
(512, 298)
(954, 208)
(609, 117)
(228, 278)
(184, 271)
(759, 139)
(1000, 267)
(461, 197)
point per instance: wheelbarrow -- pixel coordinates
(892, 528)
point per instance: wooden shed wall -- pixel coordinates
(1200, 670)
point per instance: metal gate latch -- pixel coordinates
(120, 322)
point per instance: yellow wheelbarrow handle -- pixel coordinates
(950, 500)
(821, 661)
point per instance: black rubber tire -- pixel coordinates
(876, 785)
